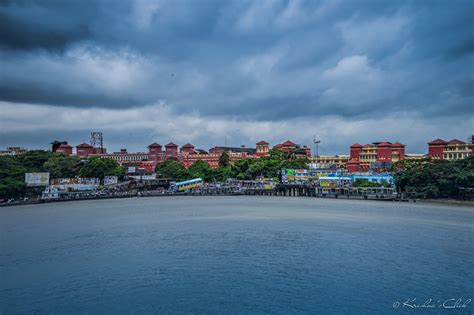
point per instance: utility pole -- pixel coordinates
(315, 146)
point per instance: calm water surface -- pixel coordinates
(232, 255)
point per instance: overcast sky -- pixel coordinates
(202, 71)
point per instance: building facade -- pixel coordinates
(378, 156)
(449, 150)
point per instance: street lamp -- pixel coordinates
(315, 146)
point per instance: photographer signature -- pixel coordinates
(430, 303)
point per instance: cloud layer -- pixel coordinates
(249, 70)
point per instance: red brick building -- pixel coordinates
(171, 150)
(187, 155)
(449, 150)
(290, 146)
(263, 148)
(64, 149)
(84, 150)
(376, 156)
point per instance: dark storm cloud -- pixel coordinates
(27, 25)
(249, 59)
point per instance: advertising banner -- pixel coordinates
(77, 183)
(36, 179)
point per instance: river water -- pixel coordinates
(235, 255)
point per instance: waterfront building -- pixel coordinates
(124, 157)
(263, 148)
(242, 149)
(300, 151)
(449, 150)
(84, 150)
(171, 150)
(329, 161)
(65, 149)
(378, 156)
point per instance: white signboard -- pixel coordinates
(36, 179)
(76, 183)
(131, 169)
(110, 180)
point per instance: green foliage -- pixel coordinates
(173, 169)
(434, 178)
(99, 168)
(296, 163)
(62, 166)
(224, 159)
(12, 177)
(34, 160)
(200, 169)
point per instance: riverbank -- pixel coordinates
(469, 203)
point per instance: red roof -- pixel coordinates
(456, 141)
(278, 145)
(368, 145)
(288, 143)
(154, 145)
(262, 143)
(171, 144)
(188, 145)
(84, 145)
(64, 146)
(356, 145)
(437, 141)
(397, 144)
(384, 144)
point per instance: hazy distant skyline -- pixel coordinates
(200, 71)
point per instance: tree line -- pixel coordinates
(13, 169)
(245, 169)
(424, 178)
(429, 178)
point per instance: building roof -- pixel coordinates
(398, 144)
(456, 141)
(154, 144)
(234, 149)
(288, 143)
(171, 144)
(356, 145)
(368, 145)
(188, 145)
(84, 145)
(64, 146)
(278, 145)
(262, 143)
(437, 141)
(384, 144)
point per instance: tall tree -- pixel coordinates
(62, 166)
(99, 168)
(224, 159)
(171, 169)
(12, 177)
(34, 160)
